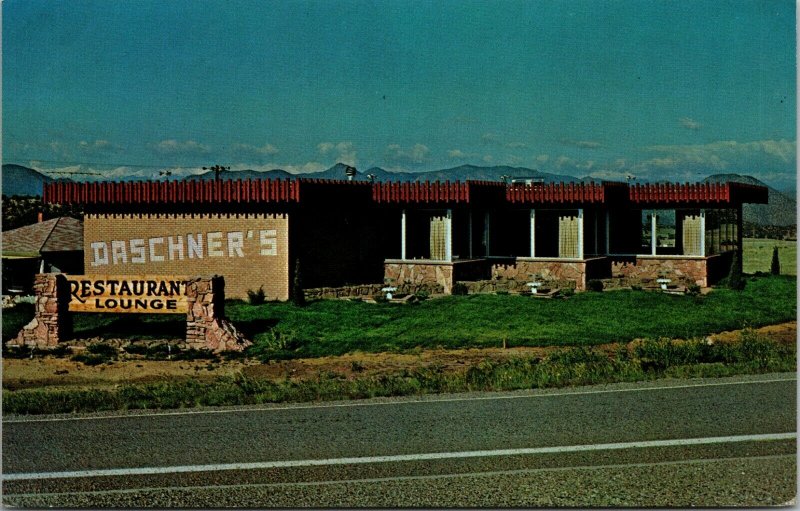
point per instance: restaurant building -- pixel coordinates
(352, 235)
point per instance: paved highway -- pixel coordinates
(712, 442)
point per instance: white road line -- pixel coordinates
(387, 403)
(21, 476)
(330, 482)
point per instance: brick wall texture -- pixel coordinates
(248, 249)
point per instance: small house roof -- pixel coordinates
(62, 234)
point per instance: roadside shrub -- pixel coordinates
(256, 297)
(136, 349)
(16, 351)
(104, 350)
(422, 294)
(275, 344)
(567, 292)
(460, 289)
(581, 355)
(234, 355)
(595, 285)
(660, 354)
(90, 359)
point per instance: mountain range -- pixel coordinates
(19, 180)
(461, 173)
(781, 210)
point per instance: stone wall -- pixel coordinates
(206, 326)
(433, 277)
(326, 293)
(642, 270)
(553, 272)
(51, 322)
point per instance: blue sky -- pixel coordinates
(657, 89)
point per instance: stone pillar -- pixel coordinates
(206, 326)
(51, 322)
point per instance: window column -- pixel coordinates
(580, 233)
(403, 235)
(448, 236)
(702, 232)
(533, 233)
(653, 236)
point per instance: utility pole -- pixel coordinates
(218, 169)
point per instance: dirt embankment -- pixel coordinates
(50, 371)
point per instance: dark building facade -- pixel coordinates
(410, 235)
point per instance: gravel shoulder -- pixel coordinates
(61, 372)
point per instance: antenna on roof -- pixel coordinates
(350, 172)
(218, 169)
(371, 177)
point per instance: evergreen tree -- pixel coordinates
(735, 279)
(298, 297)
(775, 267)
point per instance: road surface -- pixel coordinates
(711, 442)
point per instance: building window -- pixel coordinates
(438, 237)
(670, 232)
(721, 230)
(557, 234)
(691, 224)
(646, 234)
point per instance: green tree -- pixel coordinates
(19, 211)
(735, 279)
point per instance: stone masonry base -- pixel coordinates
(206, 326)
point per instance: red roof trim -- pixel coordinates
(285, 191)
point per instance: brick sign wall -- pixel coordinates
(249, 250)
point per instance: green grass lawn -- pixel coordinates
(757, 255)
(337, 327)
(334, 327)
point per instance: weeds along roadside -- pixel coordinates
(647, 360)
